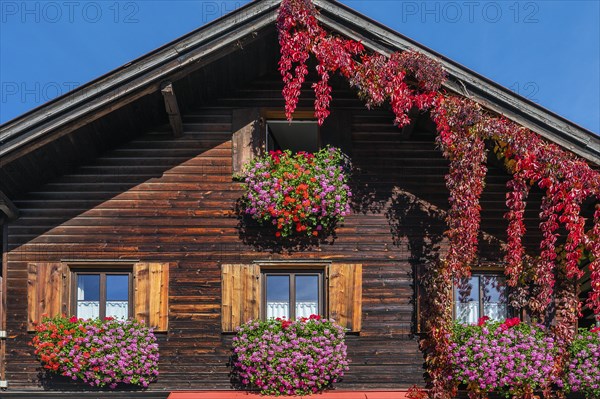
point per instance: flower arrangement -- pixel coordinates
(582, 373)
(284, 357)
(299, 193)
(98, 352)
(510, 358)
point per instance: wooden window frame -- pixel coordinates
(103, 272)
(248, 126)
(242, 287)
(292, 272)
(50, 292)
(481, 273)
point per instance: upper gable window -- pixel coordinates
(302, 135)
(256, 132)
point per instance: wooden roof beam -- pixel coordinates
(8, 208)
(172, 108)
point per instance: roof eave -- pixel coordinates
(144, 76)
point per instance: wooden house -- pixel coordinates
(129, 179)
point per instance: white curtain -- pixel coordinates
(117, 309)
(282, 309)
(86, 309)
(278, 309)
(305, 309)
(468, 312)
(496, 311)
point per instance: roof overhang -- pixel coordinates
(172, 61)
(133, 80)
(464, 81)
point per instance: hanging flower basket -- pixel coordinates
(582, 373)
(304, 194)
(510, 358)
(283, 357)
(98, 352)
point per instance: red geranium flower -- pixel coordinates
(515, 321)
(285, 324)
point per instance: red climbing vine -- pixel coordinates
(377, 78)
(457, 121)
(593, 245)
(409, 81)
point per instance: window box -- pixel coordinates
(303, 193)
(582, 373)
(510, 358)
(97, 352)
(300, 357)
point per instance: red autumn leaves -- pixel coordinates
(463, 127)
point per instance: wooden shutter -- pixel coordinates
(151, 294)
(240, 295)
(46, 291)
(248, 138)
(345, 295)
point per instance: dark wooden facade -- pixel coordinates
(160, 199)
(121, 187)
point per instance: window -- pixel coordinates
(255, 130)
(292, 295)
(91, 289)
(274, 289)
(484, 294)
(102, 294)
(296, 136)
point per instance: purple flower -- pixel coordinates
(107, 352)
(508, 361)
(306, 356)
(298, 192)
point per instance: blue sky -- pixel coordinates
(545, 50)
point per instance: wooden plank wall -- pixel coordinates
(160, 199)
